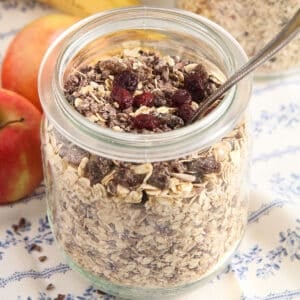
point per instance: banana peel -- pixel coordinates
(83, 8)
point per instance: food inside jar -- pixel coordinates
(151, 224)
(140, 91)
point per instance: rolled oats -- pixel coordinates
(142, 235)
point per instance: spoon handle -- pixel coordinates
(290, 30)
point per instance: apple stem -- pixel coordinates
(11, 122)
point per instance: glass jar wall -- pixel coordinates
(146, 215)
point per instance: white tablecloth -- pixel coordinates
(267, 264)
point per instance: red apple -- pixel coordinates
(23, 56)
(20, 147)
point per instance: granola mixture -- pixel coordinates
(149, 225)
(253, 23)
(140, 91)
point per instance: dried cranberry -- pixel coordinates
(145, 99)
(122, 96)
(127, 80)
(180, 97)
(146, 121)
(185, 112)
(197, 84)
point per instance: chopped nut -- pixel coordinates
(78, 102)
(190, 67)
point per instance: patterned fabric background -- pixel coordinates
(267, 264)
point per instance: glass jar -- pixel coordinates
(145, 215)
(253, 23)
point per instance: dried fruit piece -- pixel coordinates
(185, 112)
(127, 80)
(205, 166)
(146, 121)
(94, 174)
(160, 177)
(145, 99)
(98, 168)
(197, 83)
(72, 154)
(127, 178)
(180, 97)
(122, 96)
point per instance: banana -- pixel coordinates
(87, 7)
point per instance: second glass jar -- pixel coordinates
(254, 23)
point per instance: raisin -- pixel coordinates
(97, 168)
(146, 121)
(127, 178)
(122, 96)
(93, 172)
(127, 80)
(145, 99)
(72, 154)
(180, 97)
(185, 112)
(106, 165)
(197, 83)
(159, 177)
(204, 165)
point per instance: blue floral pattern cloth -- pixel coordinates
(267, 264)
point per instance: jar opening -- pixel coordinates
(173, 31)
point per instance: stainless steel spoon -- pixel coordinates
(290, 30)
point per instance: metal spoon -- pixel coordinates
(289, 31)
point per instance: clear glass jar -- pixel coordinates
(147, 239)
(253, 23)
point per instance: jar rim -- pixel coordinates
(131, 146)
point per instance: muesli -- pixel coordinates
(160, 224)
(253, 23)
(139, 91)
